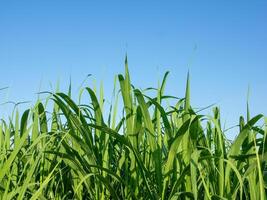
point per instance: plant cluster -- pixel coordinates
(155, 151)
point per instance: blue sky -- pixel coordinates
(223, 43)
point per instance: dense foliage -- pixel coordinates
(155, 151)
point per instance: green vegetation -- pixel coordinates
(153, 152)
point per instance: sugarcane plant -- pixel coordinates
(155, 150)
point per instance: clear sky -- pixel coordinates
(223, 43)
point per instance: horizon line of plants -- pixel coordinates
(154, 151)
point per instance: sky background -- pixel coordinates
(222, 43)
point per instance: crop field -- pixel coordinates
(155, 151)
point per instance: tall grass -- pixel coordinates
(153, 152)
